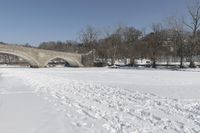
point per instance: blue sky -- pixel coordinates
(35, 21)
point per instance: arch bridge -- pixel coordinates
(40, 57)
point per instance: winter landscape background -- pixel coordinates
(100, 66)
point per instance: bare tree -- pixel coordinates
(89, 37)
(130, 38)
(194, 25)
(119, 43)
(110, 44)
(156, 41)
(177, 37)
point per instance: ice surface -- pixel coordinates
(105, 100)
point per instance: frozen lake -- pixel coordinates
(98, 100)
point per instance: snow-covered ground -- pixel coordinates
(99, 100)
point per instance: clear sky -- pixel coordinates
(35, 21)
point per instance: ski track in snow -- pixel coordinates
(98, 108)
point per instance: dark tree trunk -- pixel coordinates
(181, 62)
(192, 65)
(154, 63)
(181, 55)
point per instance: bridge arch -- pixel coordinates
(30, 60)
(40, 57)
(72, 62)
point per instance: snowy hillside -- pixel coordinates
(116, 101)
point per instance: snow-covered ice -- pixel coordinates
(99, 100)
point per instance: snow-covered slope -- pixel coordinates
(105, 100)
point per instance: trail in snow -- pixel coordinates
(93, 107)
(164, 83)
(22, 111)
